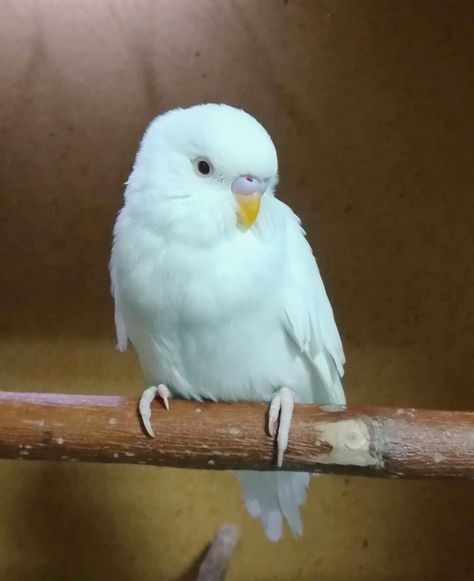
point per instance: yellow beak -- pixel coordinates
(248, 206)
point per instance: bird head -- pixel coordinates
(201, 172)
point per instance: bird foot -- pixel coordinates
(145, 402)
(281, 406)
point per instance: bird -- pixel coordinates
(218, 290)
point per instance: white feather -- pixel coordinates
(213, 311)
(120, 326)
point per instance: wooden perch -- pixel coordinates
(385, 442)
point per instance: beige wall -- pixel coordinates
(371, 105)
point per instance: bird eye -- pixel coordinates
(203, 167)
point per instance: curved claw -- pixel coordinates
(145, 402)
(286, 413)
(273, 414)
(281, 405)
(164, 393)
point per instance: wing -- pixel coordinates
(120, 327)
(308, 316)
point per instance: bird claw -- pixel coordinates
(145, 402)
(273, 414)
(282, 405)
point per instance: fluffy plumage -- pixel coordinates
(217, 311)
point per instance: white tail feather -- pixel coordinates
(270, 496)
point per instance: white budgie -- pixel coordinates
(217, 288)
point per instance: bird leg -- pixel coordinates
(145, 401)
(281, 405)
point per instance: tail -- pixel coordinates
(270, 496)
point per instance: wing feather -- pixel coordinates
(308, 315)
(120, 326)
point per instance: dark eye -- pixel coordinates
(203, 167)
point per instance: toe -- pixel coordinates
(282, 444)
(147, 425)
(286, 413)
(273, 413)
(145, 411)
(164, 393)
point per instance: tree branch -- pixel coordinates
(385, 442)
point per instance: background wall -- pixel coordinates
(370, 104)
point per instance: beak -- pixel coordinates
(247, 191)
